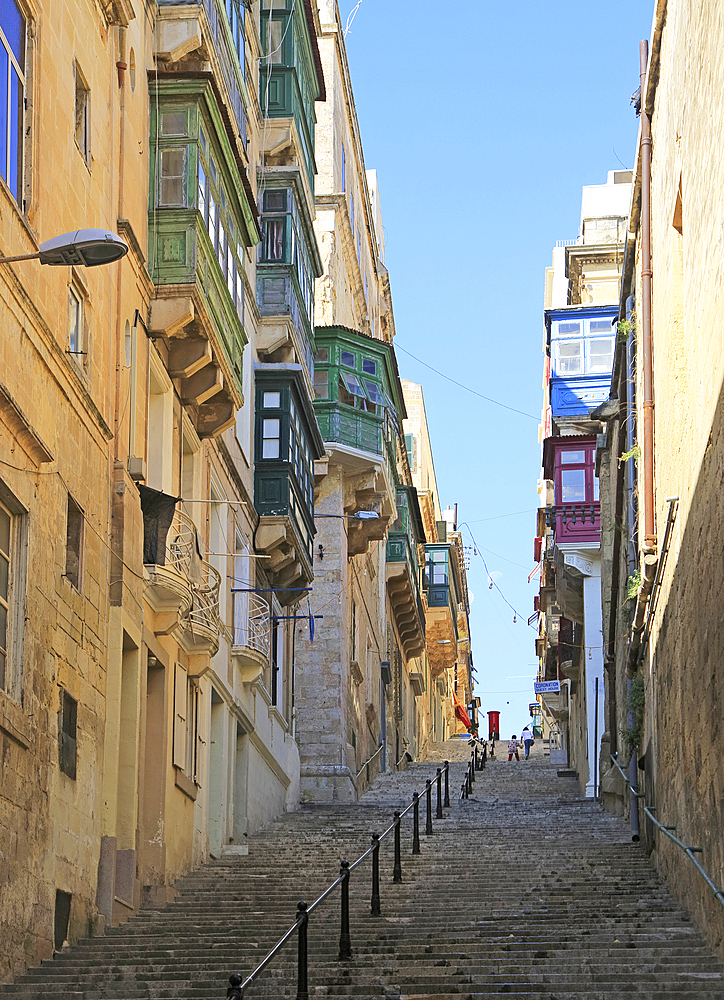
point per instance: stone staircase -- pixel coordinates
(524, 890)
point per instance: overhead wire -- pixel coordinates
(467, 388)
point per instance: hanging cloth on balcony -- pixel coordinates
(158, 511)
(461, 713)
(196, 570)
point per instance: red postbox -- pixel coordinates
(493, 725)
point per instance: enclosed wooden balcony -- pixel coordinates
(401, 576)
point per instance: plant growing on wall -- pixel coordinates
(636, 702)
(634, 453)
(632, 586)
(624, 329)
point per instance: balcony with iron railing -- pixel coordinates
(252, 632)
(575, 522)
(183, 590)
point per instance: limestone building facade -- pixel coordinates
(159, 443)
(582, 289)
(662, 460)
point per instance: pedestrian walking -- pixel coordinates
(513, 748)
(528, 740)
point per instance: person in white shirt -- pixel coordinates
(527, 737)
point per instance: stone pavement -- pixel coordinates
(523, 890)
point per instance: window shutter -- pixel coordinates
(179, 717)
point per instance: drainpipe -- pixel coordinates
(646, 275)
(633, 772)
(650, 560)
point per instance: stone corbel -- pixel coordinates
(170, 316)
(201, 386)
(215, 418)
(166, 623)
(176, 37)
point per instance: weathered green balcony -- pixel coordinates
(279, 297)
(201, 220)
(401, 576)
(358, 405)
(190, 29)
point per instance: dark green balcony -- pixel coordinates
(290, 75)
(402, 572)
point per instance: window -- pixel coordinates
(82, 115)
(352, 384)
(275, 658)
(600, 355)
(369, 366)
(77, 347)
(67, 728)
(436, 568)
(410, 447)
(271, 400)
(573, 485)
(212, 204)
(73, 543)
(6, 577)
(322, 355)
(575, 481)
(354, 632)
(174, 123)
(321, 383)
(570, 357)
(284, 240)
(374, 393)
(270, 438)
(12, 94)
(186, 703)
(173, 176)
(235, 12)
(348, 359)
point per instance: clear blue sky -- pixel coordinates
(484, 121)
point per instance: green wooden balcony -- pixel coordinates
(281, 97)
(183, 255)
(401, 576)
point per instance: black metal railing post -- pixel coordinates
(415, 823)
(446, 803)
(375, 908)
(428, 795)
(492, 747)
(234, 991)
(484, 757)
(438, 811)
(345, 945)
(302, 921)
(397, 870)
(472, 768)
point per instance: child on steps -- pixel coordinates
(513, 748)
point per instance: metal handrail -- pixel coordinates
(368, 762)
(689, 851)
(237, 987)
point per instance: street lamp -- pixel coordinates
(85, 247)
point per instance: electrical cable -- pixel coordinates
(467, 387)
